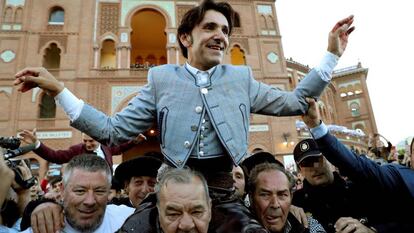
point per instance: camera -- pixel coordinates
(13, 149)
(9, 142)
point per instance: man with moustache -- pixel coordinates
(270, 193)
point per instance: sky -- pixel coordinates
(383, 41)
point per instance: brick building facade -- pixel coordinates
(101, 50)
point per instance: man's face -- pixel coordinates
(317, 171)
(183, 208)
(239, 183)
(208, 41)
(90, 144)
(84, 199)
(271, 200)
(138, 188)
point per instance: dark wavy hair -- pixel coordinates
(194, 17)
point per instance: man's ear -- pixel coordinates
(126, 186)
(186, 40)
(250, 199)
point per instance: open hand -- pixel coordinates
(28, 136)
(338, 37)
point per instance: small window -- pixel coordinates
(51, 57)
(355, 109)
(57, 16)
(237, 56)
(47, 107)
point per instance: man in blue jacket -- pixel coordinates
(389, 189)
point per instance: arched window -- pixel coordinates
(51, 58)
(148, 37)
(162, 60)
(237, 56)
(354, 109)
(139, 60)
(47, 107)
(151, 60)
(108, 54)
(263, 22)
(270, 22)
(18, 15)
(8, 15)
(57, 15)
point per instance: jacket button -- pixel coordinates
(201, 144)
(194, 128)
(204, 91)
(201, 153)
(198, 109)
(187, 144)
(179, 162)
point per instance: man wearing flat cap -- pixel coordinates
(138, 176)
(257, 158)
(325, 194)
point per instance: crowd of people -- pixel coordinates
(204, 180)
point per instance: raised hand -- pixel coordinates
(338, 37)
(28, 136)
(32, 77)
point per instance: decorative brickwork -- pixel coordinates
(109, 21)
(181, 10)
(45, 39)
(54, 28)
(261, 138)
(244, 42)
(98, 95)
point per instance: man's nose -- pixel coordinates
(89, 198)
(274, 202)
(219, 36)
(147, 188)
(186, 222)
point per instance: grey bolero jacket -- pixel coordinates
(173, 98)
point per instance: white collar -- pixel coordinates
(194, 70)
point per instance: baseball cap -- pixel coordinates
(305, 149)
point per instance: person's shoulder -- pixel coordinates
(238, 71)
(165, 67)
(299, 197)
(119, 211)
(229, 67)
(314, 225)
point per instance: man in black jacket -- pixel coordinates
(325, 194)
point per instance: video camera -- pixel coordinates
(9, 142)
(13, 149)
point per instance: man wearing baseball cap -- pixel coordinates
(325, 194)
